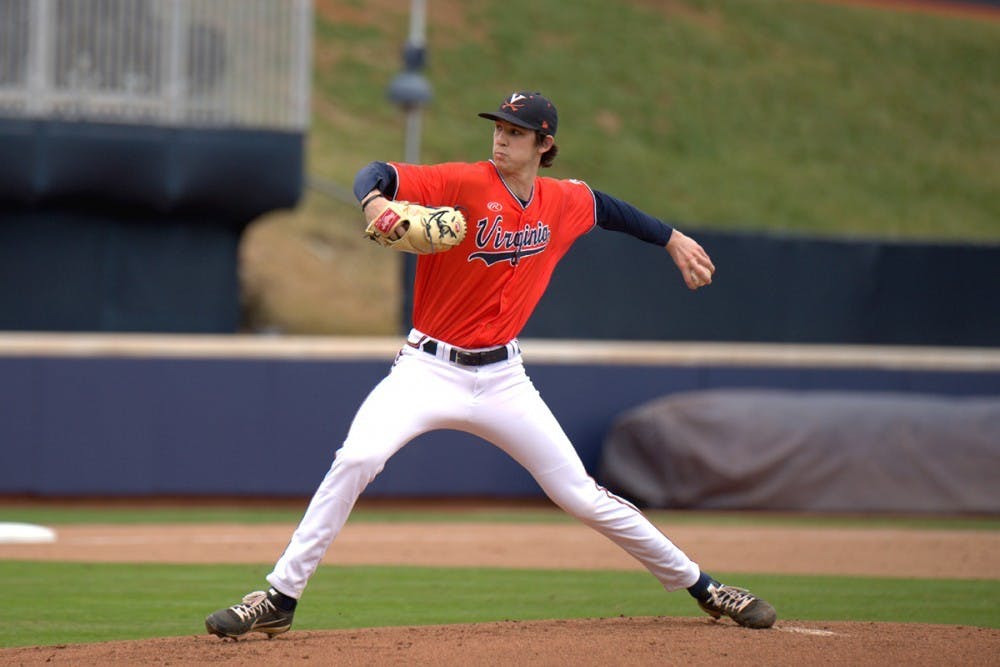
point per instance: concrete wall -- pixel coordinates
(146, 415)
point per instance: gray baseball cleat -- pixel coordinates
(738, 604)
(256, 613)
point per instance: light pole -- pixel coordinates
(410, 89)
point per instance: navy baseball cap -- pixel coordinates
(528, 110)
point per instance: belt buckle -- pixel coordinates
(481, 358)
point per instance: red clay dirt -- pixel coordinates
(602, 641)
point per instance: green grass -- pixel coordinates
(60, 603)
(794, 116)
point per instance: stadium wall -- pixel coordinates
(223, 416)
(117, 227)
(773, 288)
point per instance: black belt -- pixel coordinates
(469, 358)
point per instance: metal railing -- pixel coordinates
(243, 63)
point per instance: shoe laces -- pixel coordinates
(730, 598)
(253, 605)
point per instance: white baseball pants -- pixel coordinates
(496, 402)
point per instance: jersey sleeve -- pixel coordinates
(430, 185)
(582, 206)
(620, 216)
(374, 175)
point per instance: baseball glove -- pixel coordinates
(418, 229)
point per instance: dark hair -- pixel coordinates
(549, 156)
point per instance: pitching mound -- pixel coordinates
(610, 641)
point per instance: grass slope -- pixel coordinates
(801, 117)
(775, 114)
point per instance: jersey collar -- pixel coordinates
(513, 196)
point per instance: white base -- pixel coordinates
(25, 533)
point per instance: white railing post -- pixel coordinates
(301, 65)
(174, 60)
(40, 50)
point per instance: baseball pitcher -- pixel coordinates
(488, 236)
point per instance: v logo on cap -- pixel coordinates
(512, 103)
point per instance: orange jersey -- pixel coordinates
(482, 292)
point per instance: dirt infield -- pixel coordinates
(604, 642)
(607, 641)
(939, 554)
